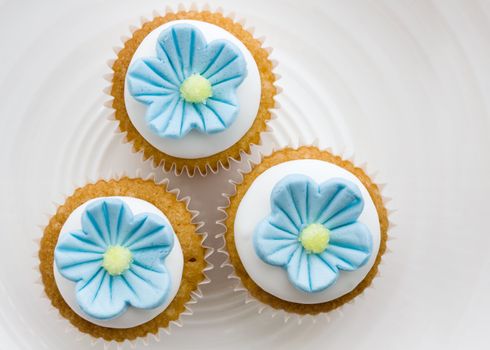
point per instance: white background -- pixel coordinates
(405, 85)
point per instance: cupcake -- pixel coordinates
(121, 259)
(305, 231)
(192, 90)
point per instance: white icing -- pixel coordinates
(198, 145)
(255, 206)
(133, 317)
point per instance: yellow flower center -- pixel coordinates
(117, 259)
(314, 238)
(196, 89)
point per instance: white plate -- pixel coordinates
(404, 84)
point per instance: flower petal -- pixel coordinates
(192, 47)
(322, 274)
(182, 46)
(151, 248)
(158, 115)
(149, 78)
(273, 244)
(175, 125)
(226, 65)
(210, 117)
(97, 224)
(338, 203)
(117, 214)
(153, 284)
(102, 297)
(309, 273)
(159, 109)
(198, 117)
(105, 296)
(223, 112)
(216, 118)
(355, 236)
(297, 269)
(350, 246)
(105, 217)
(181, 117)
(142, 226)
(195, 117)
(77, 257)
(288, 203)
(170, 123)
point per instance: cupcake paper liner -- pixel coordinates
(248, 298)
(137, 341)
(220, 160)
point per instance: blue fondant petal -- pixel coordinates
(309, 273)
(150, 250)
(298, 269)
(76, 257)
(141, 227)
(320, 199)
(224, 102)
(295, 191)
(79, 241)
(149, 94)
(227, 84)
(322, 274)
(159, 109)
(223, 114)
(98, 298)
(280, 218)
(284, 208)
(149, 78)
(165, 50)
(116, 214)
(339, 203)
(95, 222)
(148, 287)
(182, 46)
(106, 297)
(161, 238)
(214, 119)
(106, 217)
(355, 236)
(274, 245)
(217, 114)
(226, 63)
(224, 97)
(350, 246)
(192, 48)
(171, 122)
(203, 117)
(192, 118)
(158, 115)
(197, 117)
(344, 258)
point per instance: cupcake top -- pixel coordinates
(307, 231)
(118, 262)
(192, 89)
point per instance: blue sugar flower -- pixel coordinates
(116, 259)
(190, 84)
(313, 231)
